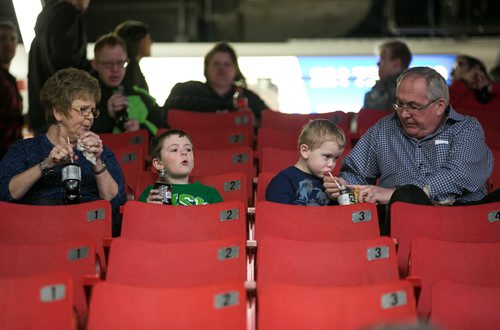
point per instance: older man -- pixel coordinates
(425, 146)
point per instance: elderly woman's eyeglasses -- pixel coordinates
(410, 107)
(86, 111)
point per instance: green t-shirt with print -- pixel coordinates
(189, 194)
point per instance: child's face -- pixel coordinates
(177, 156)
(322, 160)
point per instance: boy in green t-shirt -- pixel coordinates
(172, 154)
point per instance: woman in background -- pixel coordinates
(224, 84)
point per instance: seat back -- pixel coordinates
(75, 257)
(144, 179)
(274, 159)
(351, 263)
(281, 138)
(148, 263)
(211, 121)
(494, 180)
(131, 161)
(488, 118)
(284, 139)
(118, 306)
(464, 262)
(167, 223)
(308, 223)
(231, 186)
(474, 223)
(465, 306)
(218, 139)
(280, 120)
(263, 180)
(211, 162)
(37, 302)
(285, 306)
(121, 140)
(33, 224)
(366, 118)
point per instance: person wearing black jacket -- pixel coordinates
(60, 42)
(224, 84)
(138, 107)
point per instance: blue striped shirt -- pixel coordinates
(454, 161)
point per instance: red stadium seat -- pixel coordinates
(211, 162)
(295, 122)
(210, 121)
(332, 223)
(132, 163)
(231, 185)
(263, 180)
(347, 263)
(366, 118)
(494, 180)
(167, 223)
(463, 262)
(118, 306)
(284, 306)
(35, 224)
(458, 306)
(146, 263)
(473, 223)
(120, 140)
(76, 257)
(37, 302)
(274, 159)
(218, 139)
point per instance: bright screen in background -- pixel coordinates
(292, 84)
(340, 82)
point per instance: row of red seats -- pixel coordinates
(295, 246)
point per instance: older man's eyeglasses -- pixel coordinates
(86, 111)
(411, 107)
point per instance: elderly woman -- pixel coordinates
(30, 172)
(225, 82)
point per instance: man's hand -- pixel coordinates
(373, 194)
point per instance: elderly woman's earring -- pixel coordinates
(58, 125)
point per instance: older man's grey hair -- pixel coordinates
(437, 88)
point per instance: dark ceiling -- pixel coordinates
(281, 20)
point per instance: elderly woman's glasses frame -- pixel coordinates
(86, 111)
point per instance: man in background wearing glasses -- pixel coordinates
(123, 108)
(425, 153)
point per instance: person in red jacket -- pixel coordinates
(471, 86)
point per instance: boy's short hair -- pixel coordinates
(157, 142)
(318, 131)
